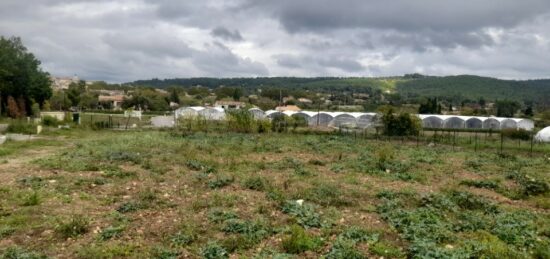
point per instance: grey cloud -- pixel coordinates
(125, 40)
(341, 63)
(226, 34)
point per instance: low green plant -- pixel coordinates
(214, 251)
(256, 183)
(111, 232)
(183, 238)
(298, 241)
(75, 227)
(50, 121)
(22, 127)
(31, 199)
(220, 181)
(486, 184)
(304, 213)
(15, 252)
(344, 249)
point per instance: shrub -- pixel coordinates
(530, 186)
(344, 249)
(298, 241)
(50, 121)
(520, 134)
(22, 127)
(256, 183)
(402, 124)
(214, 251)
(241, 121)
(184, 237)
(220, 181)
(304, 214)
(129, 207)
(75, 227)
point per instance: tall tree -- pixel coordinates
(21, 75)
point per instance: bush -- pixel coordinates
(184, 237)
(50, 121)
(520, 134)
(298, 241)
(256, 183)
(487, 184)
(530, 186)
(241, 121)
(220, 181)
(304, 213)
(344, 249)
(75, 227)
(214, 251)
(22, 127)
(403, 124)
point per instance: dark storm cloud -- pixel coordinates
(226, 34)
(402, 15)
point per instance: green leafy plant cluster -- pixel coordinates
(304, 213)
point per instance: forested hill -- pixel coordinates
(474, 87)
(464, 86)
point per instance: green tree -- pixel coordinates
(21, 75)
(506, 108)
(75, 91)
(402, 124)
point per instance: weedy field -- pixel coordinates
(162, 194)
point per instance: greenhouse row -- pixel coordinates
(366, 120)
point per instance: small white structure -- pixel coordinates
(132, 114)
(257, 113)
(525, 124)
(212, 113)
(322, 119)
(347, 120)
(543, 135)
(186, 112)
(60, 116)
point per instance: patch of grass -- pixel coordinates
(344, 249)
(299, 241)
(487, 184)
(386, 250)
(111, 232)
(256, 183)
(327, 194)
(15, 252)
(109, 250)
(30, 199)
(6, 231)
(75, 227)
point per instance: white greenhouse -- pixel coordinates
(543, 135)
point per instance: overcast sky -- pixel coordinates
(125, 40)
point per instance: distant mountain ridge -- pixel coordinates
(409, 86)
